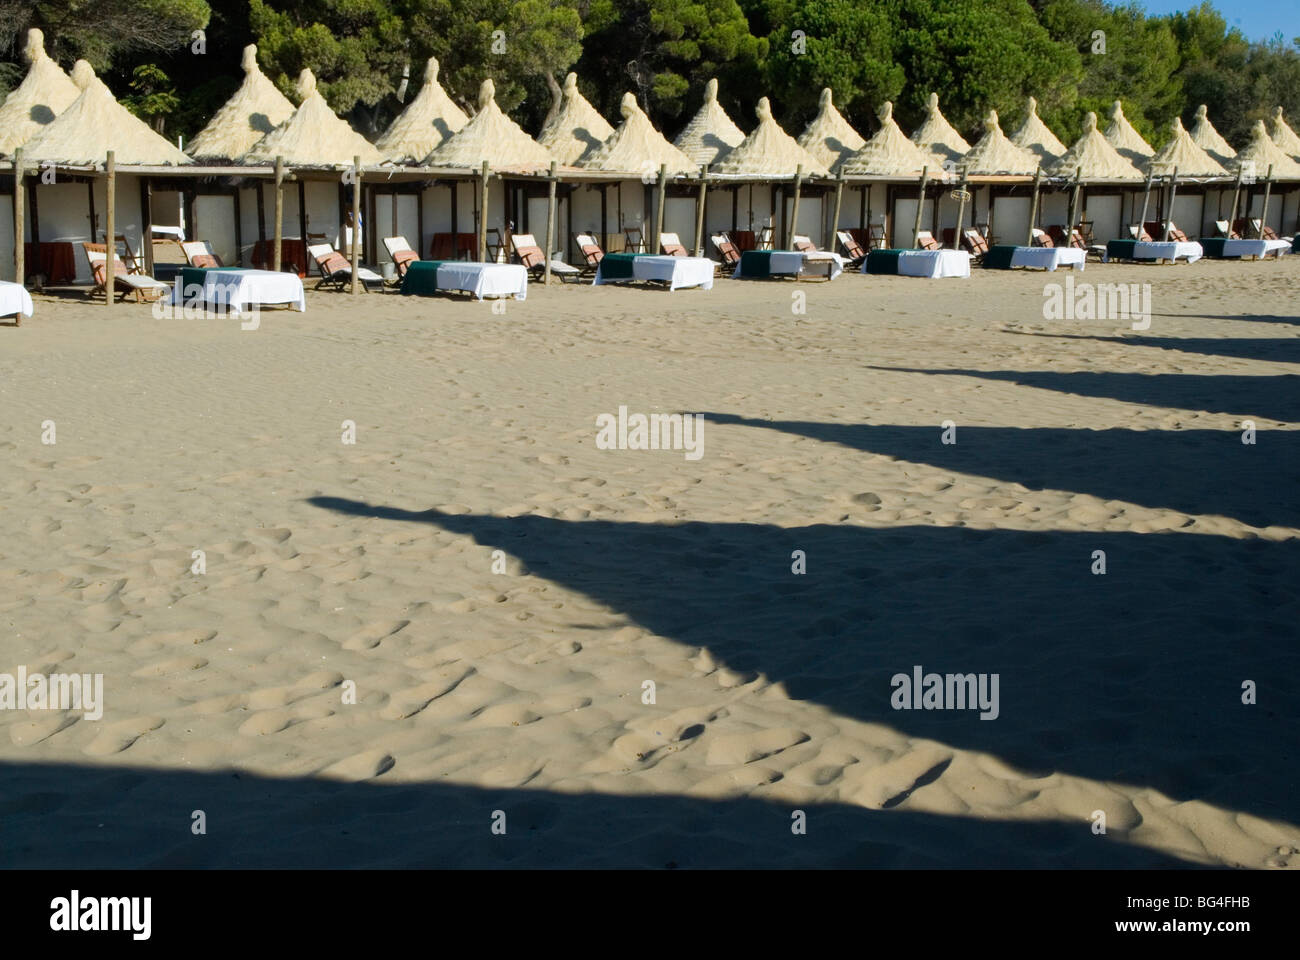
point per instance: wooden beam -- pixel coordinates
(20, 252)
(700, 201)
(356, 224)
(1169, 214)
(920, 205)
(110, 225)
(550, 224)
(279, 213)
(835, 215)
(146, 219)
(794, 207)
(1033, 207)
(482, 214)
(661, 194)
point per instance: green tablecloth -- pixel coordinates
(1120, 249)
(883, 261)
(1213, 247)
(421, 277)
(999, 257)
(192, 276)
(756, 263)
(1295, 244)
(618, 266)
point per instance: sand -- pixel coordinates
(518, 698)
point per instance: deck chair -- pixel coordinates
(402, 254)
(633, 242)
(974, 243)
(199, 253)
(1157, 229)
(531, 256)
(804, 244)
(727, 250)
(143, 288)
(335, 270)
(876, 235)
(764, 241)
(671, 245)
(1254, 227)
(1041, 238)
(1139, 233)
(925, 241)
(591, 252)
(852, 248)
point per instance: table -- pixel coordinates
(425, 277)
(1148, 250)
(918, 263)
(292, 250)
(677, 272)
(1045, 258)
(772, 263)
(58, 261)
(237, 289)
(15, 301)
(1220, 248)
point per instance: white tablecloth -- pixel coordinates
(1049, 258)
(240, 289)
(1255, 248)
(485, 279)
(677, 272)
(1172, 250)
(796, 262)
(176, 233)
(932, 263)
(819, 261)
(14, 300)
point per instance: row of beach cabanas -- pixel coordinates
(263, 168)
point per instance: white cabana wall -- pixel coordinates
(214, 221)
(1105, 211)
(7, 266)
(64, 211)
(1187, 213)
(904, 217)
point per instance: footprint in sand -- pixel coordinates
(116, 737)
(361, 766)
(27, 733)
(175, 665)
(372, 635)
(407, 703)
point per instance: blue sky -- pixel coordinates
(1257, 19)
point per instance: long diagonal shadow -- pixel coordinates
(1272, 349)
(1207, 472)
(1133, 676)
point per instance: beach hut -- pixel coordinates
(829, 138)
(711, 134)
(1037, 137)
(1254, 161)
(1208, 139)
(428, 120)
(1193, 166)
(45, 93)
(936, 135)
(996, 154)
(576, 128)
(1107, 179)
(1121, 135)
(882, 168)
(996, 159)
(1284, 136)
(254, 110)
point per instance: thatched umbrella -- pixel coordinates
(636, 147)
(1284, 136)
(710, 135)
(1121, 135)
(995, 154)
(889, 153)
(937, 136)
(1182, 154)
(254, 110)
(313, 135)
(491, 136)
(428, 120)
(1262, 152)
(93, 125)
(45, 92)
(829, 137)
(1037, 137)
(576, 129)
(769, 151)
(1093, 158)
(1208, 139)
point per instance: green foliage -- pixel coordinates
(104, 32)
(152, 99)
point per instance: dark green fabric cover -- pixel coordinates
(883, 261)
(617, 266)
(756, 263)
(1120, 249)
(421, 278)
(999, 257)
(1213, 247)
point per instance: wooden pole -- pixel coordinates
(961, 211)
(1033, 207)
(1074, 206)
(1146, 200)
(1268, 192)
(835, 216)
(920, 205)
(20, 252)
(146, 218)
(279, 214)
(1169, 214)
(699, 211)
(794, 208)
(550, 224)
(1236, 197)
(482, 214)
(356, 223)
(661, 193)
(604, 216)
(110, 225)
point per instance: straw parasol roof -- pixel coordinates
(576, 129)
(710, 135)
(256, 109)
(996, 154)
(889, 152)
(44, 93)
(313, 135)
(637, 147)
(1037, 137)
(94, 124)
(1284, 136)
(492, 136)
(1207, 138)
(937, 136)
(1182, 154)
(829, 137)
(769, 151)
(1093, 158)
(1125, 139)
(1263, 152)
(429, 119)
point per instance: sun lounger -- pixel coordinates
(852, 248)
(671, 245)
(142, 287)
(401, 253)
(591, 252)
(974, 243)
(727, 249)
(336, 271)
(199, 253)
(531, 256)
(925, 241)
(676, 272)
(1155, 229)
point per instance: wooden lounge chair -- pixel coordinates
(974, 243)
(1041, 238)
(925, 241)
(633, 242)
(727, 250)
(336, 271)
(1253, 227)
(402, 254)
(199, 253)
(591, 252)
(804, 244)
(143, 288)
(852, 248)
(531, 256)
(1139, 233)
(1157, 229)
(671, 245)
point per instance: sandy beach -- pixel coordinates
(350, 682)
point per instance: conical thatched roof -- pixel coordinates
(576, 129)
(769, 151)
(1284, 136)
(996, 154)
(1263, 152)
(1182, 154)
(492, 136)
(1121, 135)
(710, 135)
(44, 93)
(1207, 138)
(937, 136)
(829, 137)
(1093, 158)
(637, 147)
(889, 153)
(1037, 137)
(313, 135)
(94, 124)
(429, 119)
(256, 109)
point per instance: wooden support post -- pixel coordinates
(482, 213)
(699, 210)
(1146, 200)
(794, 207)
(356, 224)
(1033, 207)
(20, 252)
(1074, 206)
(835, 215)
(146, 219)
(110, 225)
(961, 211)
(1268, 192)
(1169, 213)
(920, 205)
(550, 224)
(1236, 197)
(660, 194)
(279, 214)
